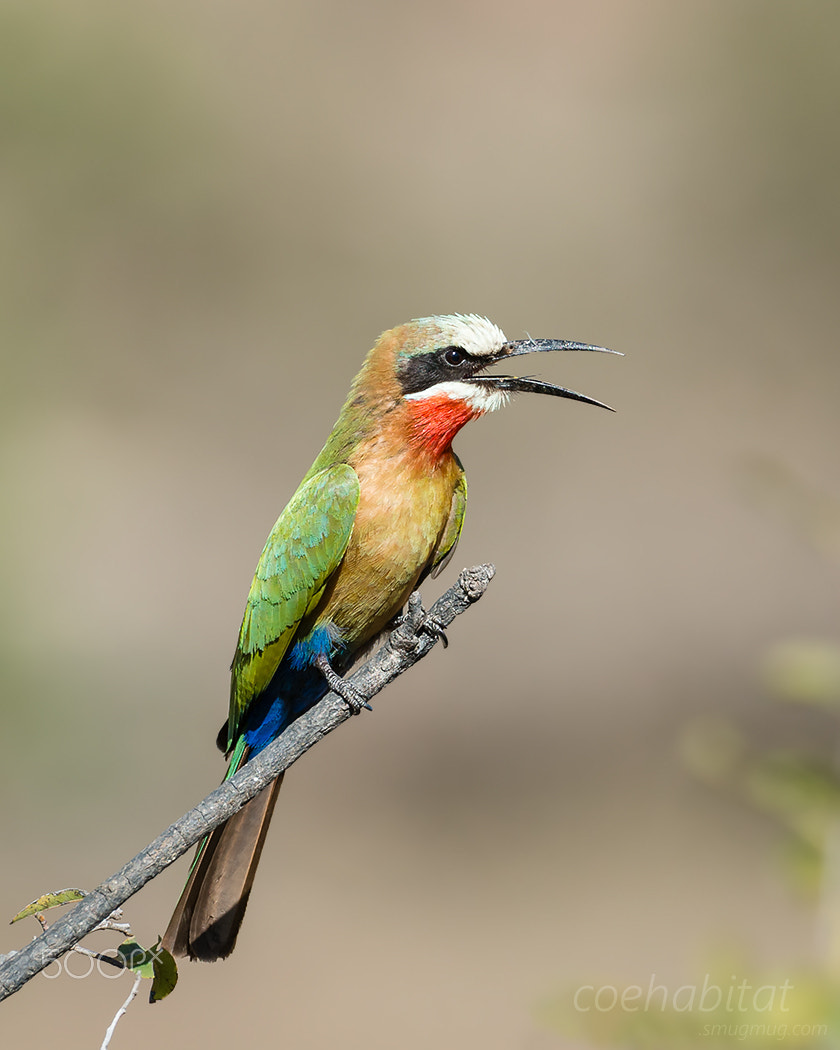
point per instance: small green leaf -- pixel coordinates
(166, 974)
(49, 900)
(136, 957)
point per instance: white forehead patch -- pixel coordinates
(472, 333)
(480, 399)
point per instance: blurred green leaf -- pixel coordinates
(803, 670)
(803, 791)
(804, 864)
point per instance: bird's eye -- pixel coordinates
(454, 355)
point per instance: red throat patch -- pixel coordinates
(436, 420)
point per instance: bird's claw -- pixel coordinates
(416, 619)
(435, 628)
(354, 700)
(352, 697)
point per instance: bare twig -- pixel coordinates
(106, 1042)
(407, 644)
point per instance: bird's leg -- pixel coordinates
(354, 700)
(417, 618)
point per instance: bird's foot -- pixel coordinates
(352, 697)
(435, 628)
(417, 619)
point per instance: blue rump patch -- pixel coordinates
(295, 687)
(321, 641)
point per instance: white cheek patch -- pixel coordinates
(479, 398)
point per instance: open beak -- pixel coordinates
(536, 386)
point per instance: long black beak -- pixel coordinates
(536, 386)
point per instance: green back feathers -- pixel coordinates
(303, 550)
(452, 532)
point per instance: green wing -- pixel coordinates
(302, 551)
(454, 524)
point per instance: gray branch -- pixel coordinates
(411, 640)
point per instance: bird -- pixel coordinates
(380, 509)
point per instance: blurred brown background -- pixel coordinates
(209, 212)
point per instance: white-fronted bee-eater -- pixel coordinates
(380, 509)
